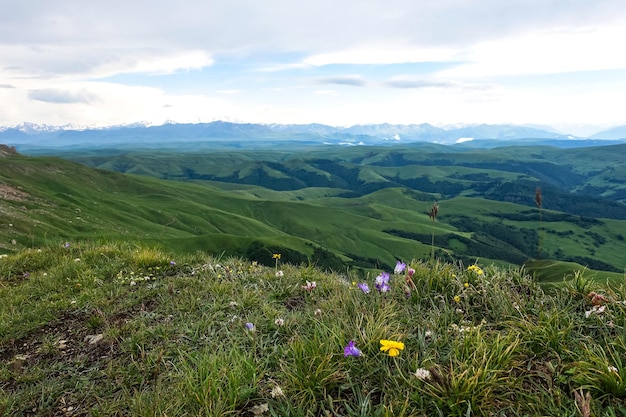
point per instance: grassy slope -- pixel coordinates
(117, 329)
(63, 200)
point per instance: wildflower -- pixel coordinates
(318, 312)
(457, 298)
(400, 267)
(77, 260)
(382, 282)
(475, 268)
(410, 272)
(310, 286)
(233, 304)
(279, 322)
(612, 369)
(597, 299)
(392, 347)
(133, 283)
(172, 263)
(428, 333)
(276, 256)
(351, 350)
(423, 374)
(280, 273)
(466, 285)
(250, 326)
(66, 245)
(364, 287)
(277, 391)
(596, 309)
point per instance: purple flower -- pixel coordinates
(172, 262)
(400, 266)
(250, 326)
(66, 245)
(382, 282)
(351, 350)
(364, 287)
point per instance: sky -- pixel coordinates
(558, 63)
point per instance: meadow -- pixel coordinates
(47, 199)
(125, 294)
(106, 328)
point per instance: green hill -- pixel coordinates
(49, 200)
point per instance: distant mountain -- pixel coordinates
(248, 135)
(612, 134)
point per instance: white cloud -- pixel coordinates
(440, 61)
(546, 52)
(382, 54)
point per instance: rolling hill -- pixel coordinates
(338, 217)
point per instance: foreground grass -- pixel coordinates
(110, 329)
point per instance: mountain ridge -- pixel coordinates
(315, 133)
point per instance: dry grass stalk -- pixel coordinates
(433, 211)
(584, 403)
(538, 197)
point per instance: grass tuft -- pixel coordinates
(111, 328)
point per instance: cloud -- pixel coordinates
(51, 95)
(407, 83)
(434, 61)
(546, 52)
(351, 80)
(382, 53)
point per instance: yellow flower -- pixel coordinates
(392, 347)
(466, 285)
(457, 298)
(276, 256)
(475, 268)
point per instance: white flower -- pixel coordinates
(133, 283)
(613, 369)
(277, 392)
(279, 322)
(428, 333)
(595, 310)
(280, 273)
(423, 374)
(317, 312)
(233, 304)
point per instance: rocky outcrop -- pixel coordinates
(7, 150)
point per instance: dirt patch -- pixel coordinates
(74, 343)
(64, 339)
(8, 192)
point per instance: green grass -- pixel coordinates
(126, 329)
(50, 199)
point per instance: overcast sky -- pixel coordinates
(337, 62)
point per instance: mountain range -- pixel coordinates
(248, 135)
